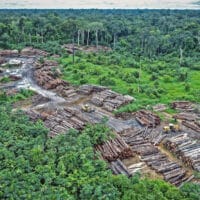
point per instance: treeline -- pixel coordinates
(144, 32)
(34, 166)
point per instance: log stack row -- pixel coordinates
(147, 118)
(154, 158)
(192, 125)
(2, 60)
(159, 107)
(35, 116)
(152, 135)
(110, 100)
(170, 170)
(30, 51)
(118, 167)
(114, 149)
(186, 149)
(46, 76)
(89, 89)
(186, 116)
(182, 105)
(62, 121)
(9, 53)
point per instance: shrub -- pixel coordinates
(167, 79)
(154, 77)
(5, 79)
(83, 81)
(106, 81)
(136, 74)
(187, 87)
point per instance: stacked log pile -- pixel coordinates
(110, 100)
(89, 89)
(62, 121)
(39, 99)
(147, 118)
(186, 116)
(46, 76)
(185, 149)
(9, 53)
(182, 105)
(118, 167)
(197, 123)
(113, 149)
(50, 63)
(2, 60)
(13, 77)
(67, 91)
(152, 135)
(30, 51)
(154, 158)
(159, 107)
(35, 116)
(192, 125)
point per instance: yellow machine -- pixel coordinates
(166, 129)
(176, 127)
(171, 127)
(87, 108)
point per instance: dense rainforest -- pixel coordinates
(148, 33)
(154, 57)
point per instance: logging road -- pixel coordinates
(27, 80)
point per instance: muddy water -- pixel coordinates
(25, 71)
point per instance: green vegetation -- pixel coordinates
(5, 79)
(157, 81)
(21, 95)
(155, 58)
(34, 166)
(155, 55)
